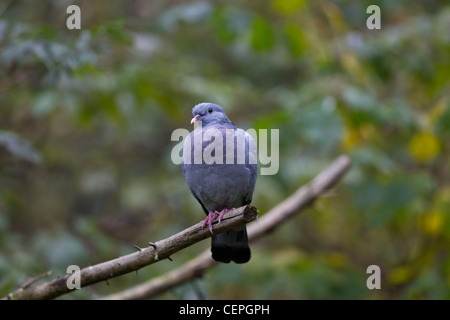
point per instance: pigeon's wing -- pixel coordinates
(233, 244)
(191, 186)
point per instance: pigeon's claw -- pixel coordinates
(221, 213)
(212, 216)
(209, 219)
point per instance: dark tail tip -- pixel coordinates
(221, 253)
(239, 251)
(225, 254)
(241, 254)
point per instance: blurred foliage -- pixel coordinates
(86, 118)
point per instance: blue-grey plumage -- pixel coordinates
(224, 177)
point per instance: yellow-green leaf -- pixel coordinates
(424, 147)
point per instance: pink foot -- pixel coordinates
(221, 213)
(209, 219)
(213, 215)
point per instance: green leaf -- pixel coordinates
(262, 38)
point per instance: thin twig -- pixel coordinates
(35, 279)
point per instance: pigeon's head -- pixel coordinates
(209, 113)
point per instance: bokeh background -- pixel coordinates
(86, 118)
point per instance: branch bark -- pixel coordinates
(155, 252)
(302, 198)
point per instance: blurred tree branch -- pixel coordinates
(162, 249)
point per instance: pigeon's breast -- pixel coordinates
(220, 167)
(220, 186)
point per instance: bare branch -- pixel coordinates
(303, 197)
(196, 267)
(155, 252)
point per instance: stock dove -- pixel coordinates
(225, 183)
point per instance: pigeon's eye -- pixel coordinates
(210, 110)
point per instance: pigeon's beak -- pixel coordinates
(195, 119)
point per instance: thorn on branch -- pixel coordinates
(35, 279)
(154, 247)
(139, 248)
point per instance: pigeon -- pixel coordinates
(224, 184)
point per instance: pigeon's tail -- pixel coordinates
(231, 245)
